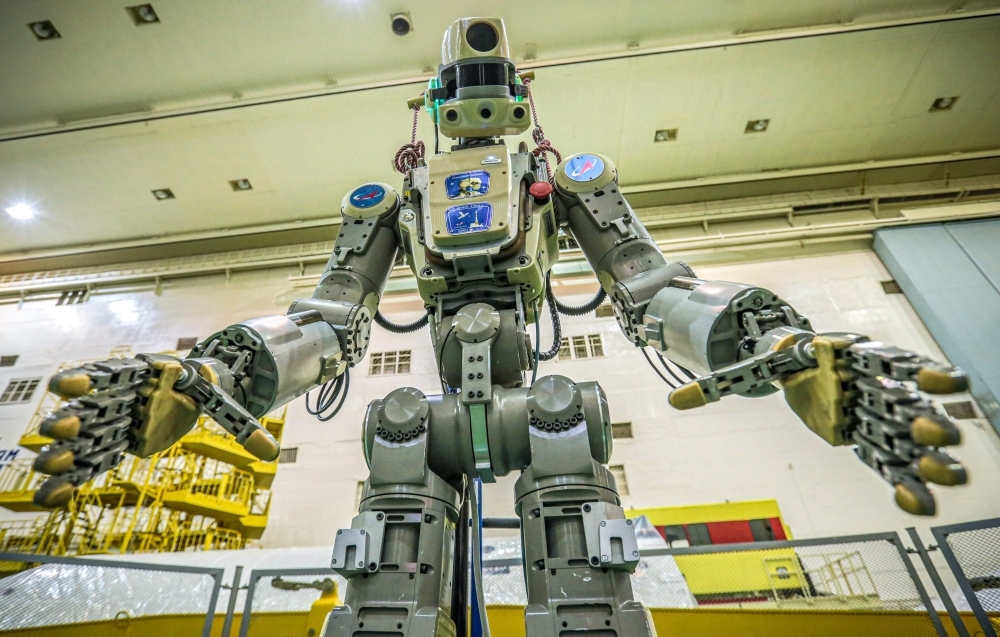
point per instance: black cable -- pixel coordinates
(579, 310)
(436, 138)
(686, 371)
(399, 328)
(328, 394)
(538, 337)
(444, 385)
(323, 401)
(556, 326)
(650, 361)
(343, 397)
(669, 371)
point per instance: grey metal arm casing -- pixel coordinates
(266, 362)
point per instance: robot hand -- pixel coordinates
(848, 390)
(141, 406)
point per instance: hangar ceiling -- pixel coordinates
(306, 98)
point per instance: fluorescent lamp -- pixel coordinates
(20, 211)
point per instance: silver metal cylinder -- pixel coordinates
(697, 322)
(287, 359)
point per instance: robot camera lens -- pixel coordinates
(518, 112)
(486, 113)
(451, 116)
(482, 37)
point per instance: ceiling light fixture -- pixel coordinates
(20, 211)
(44, 30)
(240, 184)
(665, 135)
(757, 125)
(163, 194)
(143, 14)
(401, 23)
(943, 103)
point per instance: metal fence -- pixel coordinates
(972, 550)
(41, 590)
(865, 573)
(276, 591)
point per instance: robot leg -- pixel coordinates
(579, 550)
(397, 555)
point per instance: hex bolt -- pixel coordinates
(604, 558)
(379, 516)
(595, 561)
(372, 566)
(472, 394)
(635, 553)
(334, 560)
(472, 359)
(339, 532)
(363, 531)
(361, 564)
(586, 508)
(602, 524)
(628, 522)
(479, 394)
(479, 358)
(471, 375)
(479, 375)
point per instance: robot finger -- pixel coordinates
(112, 374)
(940, 468)
(911, 494)
(874, 359)
(889, 400)
(74, 462)
(755, 374)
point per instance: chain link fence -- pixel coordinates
(972, 550)
(37, 591)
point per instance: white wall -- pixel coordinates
(738, 449)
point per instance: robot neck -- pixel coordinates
(477, 142)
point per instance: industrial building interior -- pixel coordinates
(170, 169)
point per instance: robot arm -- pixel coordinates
(144, 405)
(745, 340)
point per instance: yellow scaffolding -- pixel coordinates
(204, 493)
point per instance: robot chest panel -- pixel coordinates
(468, 203)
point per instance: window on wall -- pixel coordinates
(19, 390)
(383, 363)
(621, 430)
(186, 342)
(72, 297)
(698, 534)
(288, 454)
(8, 361)
(584, 346)
(618, 471)
(604, 310)
(567, 242)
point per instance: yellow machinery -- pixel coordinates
(204, 493)
(771, 578)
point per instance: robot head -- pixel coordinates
(477, 92)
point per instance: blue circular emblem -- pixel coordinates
(584, 168)
(367, 196)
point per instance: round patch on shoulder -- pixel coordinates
(367, 196)
(584, 168)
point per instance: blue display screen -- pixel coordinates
(468, 217)
(475, 183)
(367, 196)
(584, 168)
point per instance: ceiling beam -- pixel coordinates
(738, 39)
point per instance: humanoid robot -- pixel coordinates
(478, 227)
